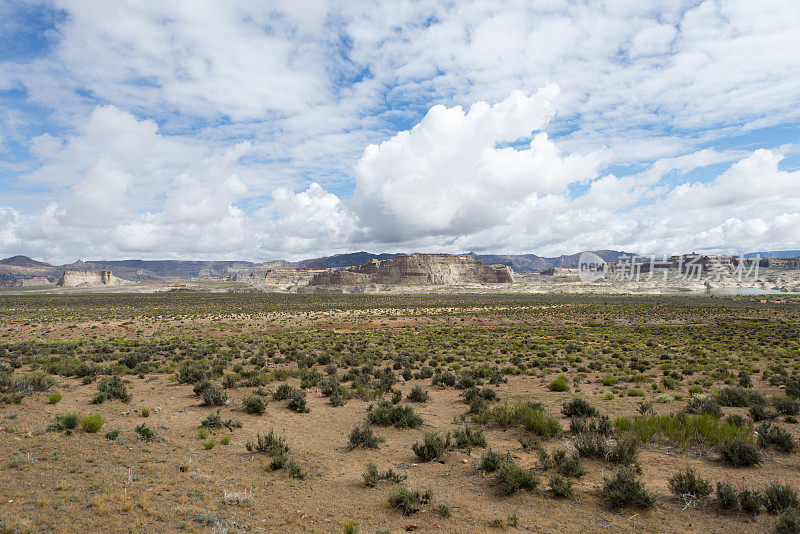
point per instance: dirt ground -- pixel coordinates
(52, 482)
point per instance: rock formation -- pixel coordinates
(278, 277)
(89, 279)
(32, 282)
(418, 269)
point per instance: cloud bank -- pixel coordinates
(175, 129)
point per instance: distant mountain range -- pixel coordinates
(17, 267)
(532, 262)
(342, 260)
(775, 254)
(23, 261)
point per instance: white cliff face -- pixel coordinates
(418, 269)
(89, 279)
(36, 281)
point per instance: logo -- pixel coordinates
(591, 267)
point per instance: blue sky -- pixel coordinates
(289, 130)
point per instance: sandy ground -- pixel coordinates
(52, 482)
(84, 482)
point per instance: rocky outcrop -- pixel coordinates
(418, 269)
(784, 263)
(36, 281)
(279, 277)
(89, 279)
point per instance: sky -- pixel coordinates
(292, 129)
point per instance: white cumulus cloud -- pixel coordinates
(451, 174)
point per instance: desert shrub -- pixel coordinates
(309, 379)
(297, 401)
(203, 432)
(397, 396)
(269, 443)
(744, 379)
(644, 408)
(739, 397)
(35, 381)
(578, 407)
(491, 461)
(417, 394)
(590, 445)
(736, 420)
(788, 523)
(225, 440)
(776, 437)
(761, 413)
(54, 397)
(372, 476)
(92, 423)
(466, 438)
(111, 388)
(477, 405)
(145, 412)
(65, 423)
(329, 386)
(624, 489)
(387, 414)
(432, 446)
(600, 425)
(213, 396)
(409, 501)
(539, 422)
(209, 444)
(779, 497)
(474, 394)
(145, 433)
(792, 387)
(199, 387)
(530, 443)
(444, 379)
(687, 482)
(623, 451)
(363, 436)
(191, 372)
(488, 394)
(726, 498)
(739, 453)
(569, 465)
(513, 478)
(609, 380)
(559, 385)
(295, 470)
(283, 392)
(786, 405)
(214, 422)
(278, 461)
(704, 406)
(532, 417)
(560, 486)
(751, 501)
(254, 404)
(14, 397)
(338, 399)
(231, 381)
(111, 435)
